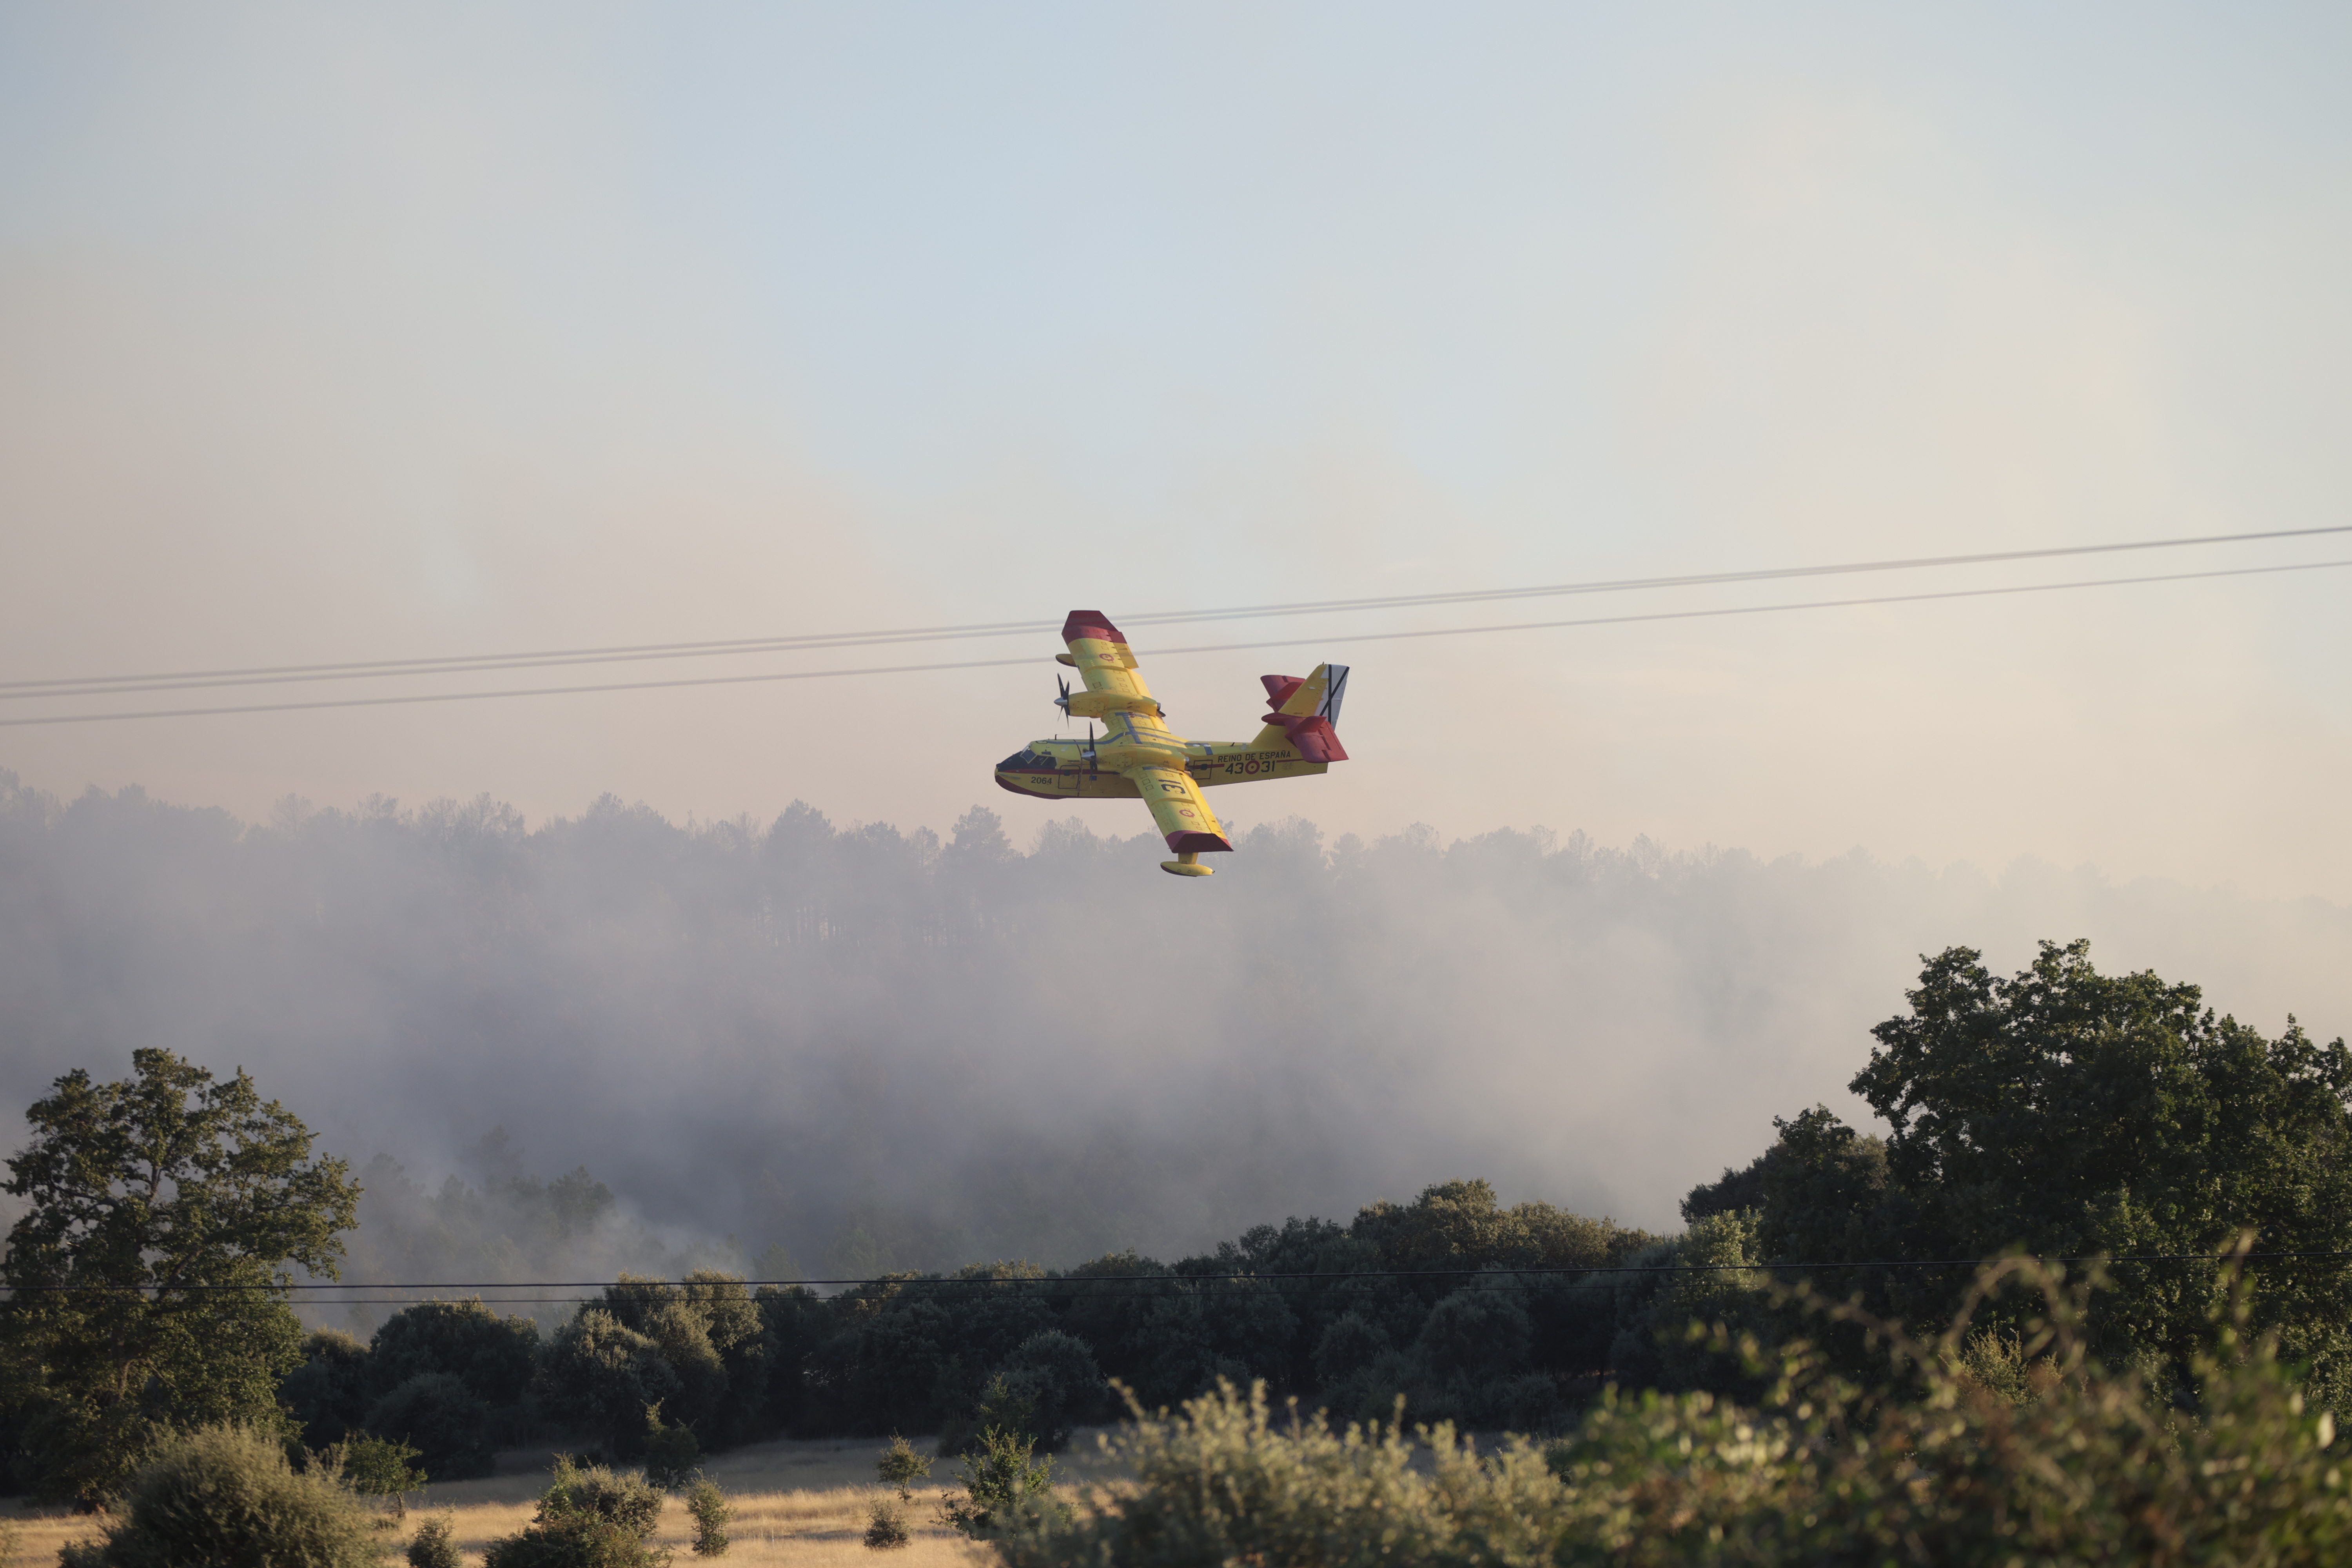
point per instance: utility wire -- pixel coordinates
(407, 698)
(1117, 1284)
(259, 675)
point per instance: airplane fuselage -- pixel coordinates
(1060, 770)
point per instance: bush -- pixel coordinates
(431, 1547)
(1970, 1455)
(448, 1426)
(1004, 1486)
(226, 1495)
(887, 1527)
(711, 1513)
(671, 1452)
(588, 1518)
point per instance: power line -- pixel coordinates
(1114, 1284)
(258, 675)
(407, 698)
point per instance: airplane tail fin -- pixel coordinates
(1306, 709)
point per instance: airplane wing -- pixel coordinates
(1137, 742)
(1107, 665)
(1179, 810)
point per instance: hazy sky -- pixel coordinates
(342, 333)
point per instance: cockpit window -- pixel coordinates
(1027, 761)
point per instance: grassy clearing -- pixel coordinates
(797, 1505)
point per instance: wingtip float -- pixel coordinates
(1138, 757)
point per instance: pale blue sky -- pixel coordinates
(359, 332)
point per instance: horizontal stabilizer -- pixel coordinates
(1305, 708)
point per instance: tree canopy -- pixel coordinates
(2073, 1114)
(167, 1214)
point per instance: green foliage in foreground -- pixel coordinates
(226, 1494)
(712, 1512)
(589, 1517)
(886, 1528)
(431, 1547)
(2069, 1464)
(1006, 1486)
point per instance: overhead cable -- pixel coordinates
(403, 699)
(1113, 1283)
(262, 675)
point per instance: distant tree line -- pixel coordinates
(1404, 1300)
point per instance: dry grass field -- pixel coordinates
(797, 1505)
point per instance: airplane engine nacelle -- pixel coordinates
(1103, 704)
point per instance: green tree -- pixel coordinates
(1006, 1486)
(378, 1467)
(671, 1452)
(900, 1466)
(164, 1217)
(600, 1375)
(2072, 1113)
(494, 1357)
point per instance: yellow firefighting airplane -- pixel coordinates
(1138, 755)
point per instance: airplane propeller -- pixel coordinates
(1063, 702)
(1090, 750)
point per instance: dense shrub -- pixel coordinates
(671, 1453)
(711, 1513)
(2050, 1460)
(431, 1547)
(226, 1495)
(589, 1517)
(442, 1419)
(1004, 1485)
(886, 1523)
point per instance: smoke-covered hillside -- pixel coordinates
(875, 1048)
